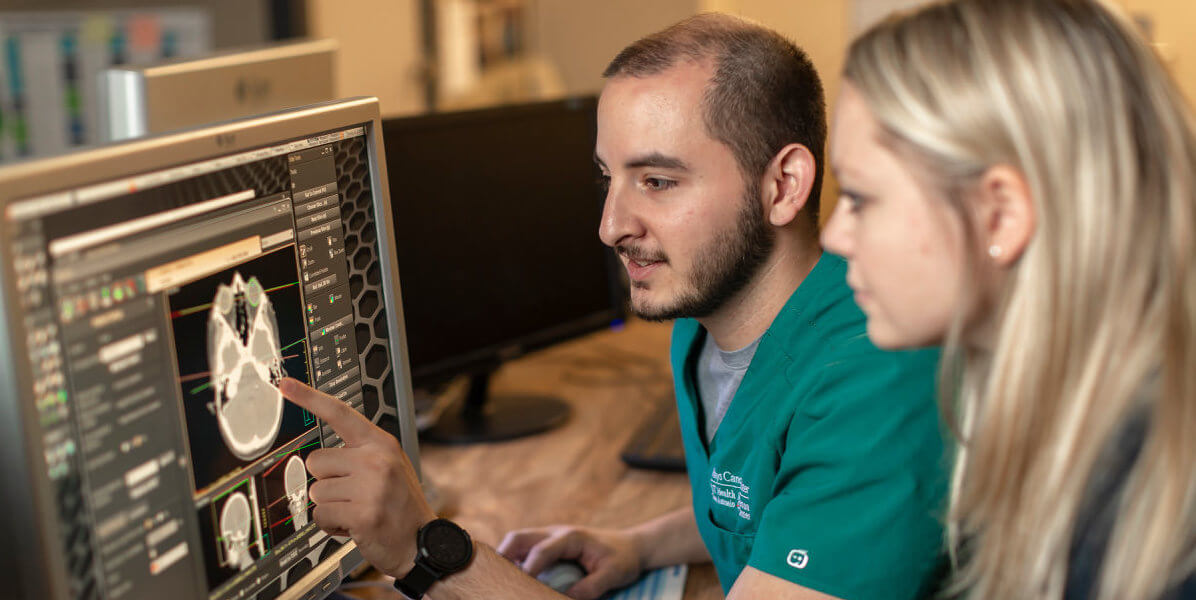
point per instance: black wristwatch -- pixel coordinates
(442, 548)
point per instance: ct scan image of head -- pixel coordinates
(235, 525)
(294, 478)
(246, 363)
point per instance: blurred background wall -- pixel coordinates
(421, 55)
(568, 42)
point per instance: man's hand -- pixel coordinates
(611, 558)
(367, 489)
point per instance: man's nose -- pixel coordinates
(619, 219)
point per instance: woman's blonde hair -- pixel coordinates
(1099, 308)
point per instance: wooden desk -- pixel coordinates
(572, 474)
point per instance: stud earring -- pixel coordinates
(994, 251)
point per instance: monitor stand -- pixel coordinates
(486, 418)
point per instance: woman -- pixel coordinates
(1019, 185)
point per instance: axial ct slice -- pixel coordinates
(246, 365)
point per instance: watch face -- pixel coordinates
(446, 545)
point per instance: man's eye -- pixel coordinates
(657, 184)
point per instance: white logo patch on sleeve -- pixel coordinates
(798, 558)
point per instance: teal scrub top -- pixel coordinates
(828, 469)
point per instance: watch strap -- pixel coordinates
(416, 583)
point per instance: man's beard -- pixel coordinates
(723, 268)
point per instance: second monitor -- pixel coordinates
(496, 222)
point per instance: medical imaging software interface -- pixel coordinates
(168, 306)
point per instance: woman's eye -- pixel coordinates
(604, 183)
(854, 201)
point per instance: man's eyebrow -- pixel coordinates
(657, 160)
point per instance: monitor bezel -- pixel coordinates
(21, 456)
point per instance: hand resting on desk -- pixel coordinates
(610, 557)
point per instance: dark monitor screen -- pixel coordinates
(496, 219)
(154, 294)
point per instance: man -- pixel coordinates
(814, 458)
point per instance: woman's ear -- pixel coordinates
(1007, 215)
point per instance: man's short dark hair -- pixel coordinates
(764, 94)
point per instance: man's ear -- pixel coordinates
(1006, 214)
(787, 183)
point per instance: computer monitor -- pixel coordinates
(153, 293)
(172, 95)
(496, 216)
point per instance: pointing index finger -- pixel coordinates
(351, 425)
